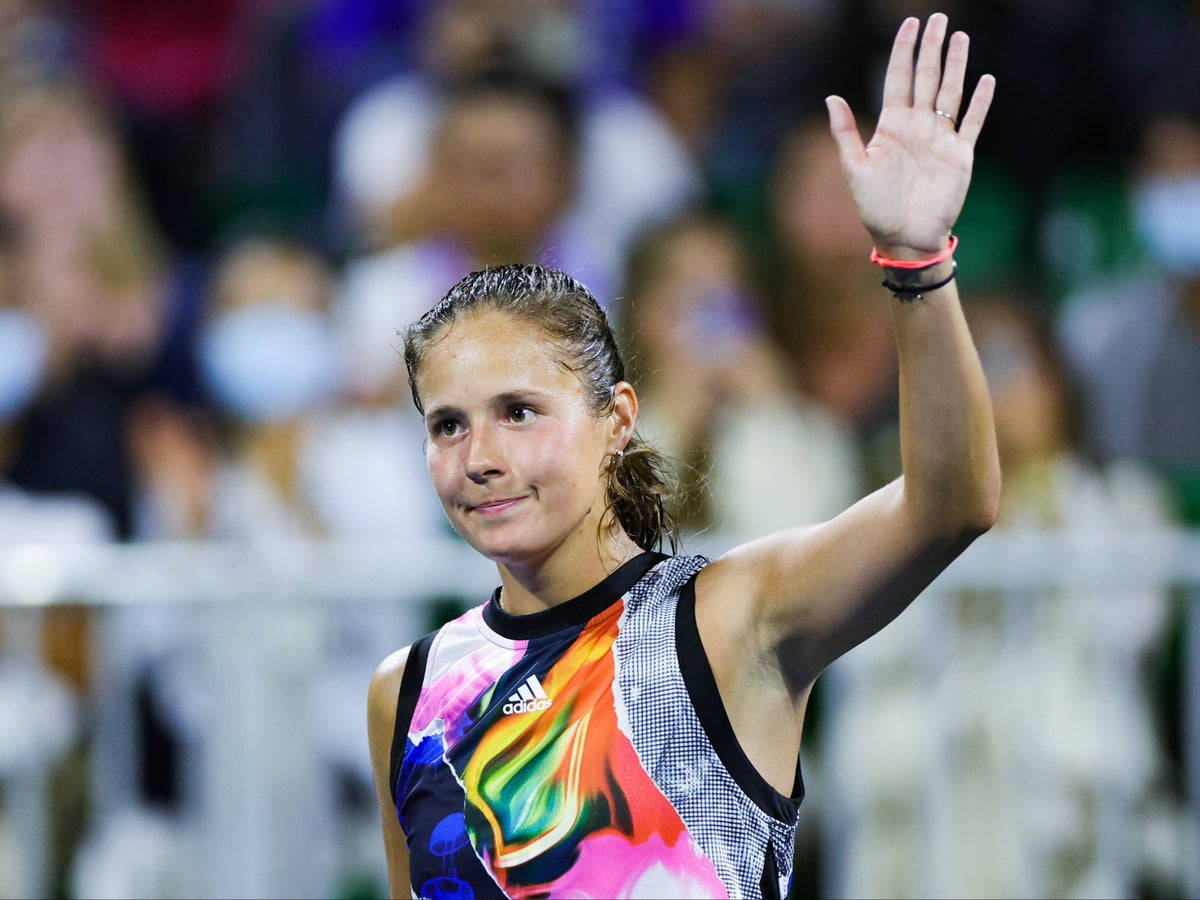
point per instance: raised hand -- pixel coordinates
(909, 182)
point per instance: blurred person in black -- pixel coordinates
(93, 272)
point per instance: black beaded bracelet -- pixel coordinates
(907, 293)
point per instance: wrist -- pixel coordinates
(908, 285)
(906, 252)
(917, 277)
(912, 257)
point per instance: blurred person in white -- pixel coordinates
(839, 340)
(296, 457)
(751, 452)
(632, 169)
(504, 159)
(1051, 788)
(1135, 345)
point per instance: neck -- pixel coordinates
(530, 587)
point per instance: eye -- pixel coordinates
(445, 428)
(520, 414)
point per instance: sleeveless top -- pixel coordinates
(583, 751)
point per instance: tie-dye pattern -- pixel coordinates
(554, 802)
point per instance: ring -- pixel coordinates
(946, 115)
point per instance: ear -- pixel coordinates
(623, 416)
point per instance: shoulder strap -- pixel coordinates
(406, 703)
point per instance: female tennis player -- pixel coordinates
(615, 721)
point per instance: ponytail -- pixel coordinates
(638, 489)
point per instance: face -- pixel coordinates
(515, 454)
(814, 210)
(697, 304)
(506, 170)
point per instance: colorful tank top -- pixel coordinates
(583, 752)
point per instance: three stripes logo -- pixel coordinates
(529, 697)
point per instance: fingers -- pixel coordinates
(929, 62)
(897, 84)
(845, 131)
(981, 100)
(949, 96)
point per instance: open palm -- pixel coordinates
(910, 180)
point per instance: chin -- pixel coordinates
(503, 548)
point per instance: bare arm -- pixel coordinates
(807, 595)
(381, 721)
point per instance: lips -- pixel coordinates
(493, 507)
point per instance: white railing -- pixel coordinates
(256, 801)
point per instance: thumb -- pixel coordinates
(845, 131)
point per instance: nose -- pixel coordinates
(483, 456)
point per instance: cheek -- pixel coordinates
(561, 462)
(441, 467)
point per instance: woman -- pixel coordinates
(614, 722)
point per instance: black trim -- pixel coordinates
(575, 611)
(706, 699)
(769, 883)
(406, 704)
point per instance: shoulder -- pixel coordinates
(385, 689)
(667, 577)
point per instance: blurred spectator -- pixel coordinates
(753, 454)
(166, 69)
(502, 174)
(1037, 788)
(90, 269)
(1135, 345)
(631, 169)
(38, 44)
(23, 361)
(306, 62)
(1049, 481)
(267, 361)
(290, 454)
(831, 313)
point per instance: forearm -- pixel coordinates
(947, 435)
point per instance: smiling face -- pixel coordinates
(515, 453)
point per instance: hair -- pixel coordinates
(638, 488)
(559, 103)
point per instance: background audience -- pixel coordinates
(214, 216)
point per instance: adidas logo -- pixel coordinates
(529, 698)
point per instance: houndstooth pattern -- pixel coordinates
(655, 710)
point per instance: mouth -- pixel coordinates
(494, 507)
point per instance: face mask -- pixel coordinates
(22, 361)
(1167, 213)
(269, 361)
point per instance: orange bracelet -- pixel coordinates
(886, 263)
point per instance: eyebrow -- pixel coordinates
(502, 399)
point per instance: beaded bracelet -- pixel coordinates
(908, 293)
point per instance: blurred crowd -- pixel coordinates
(215, 215)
